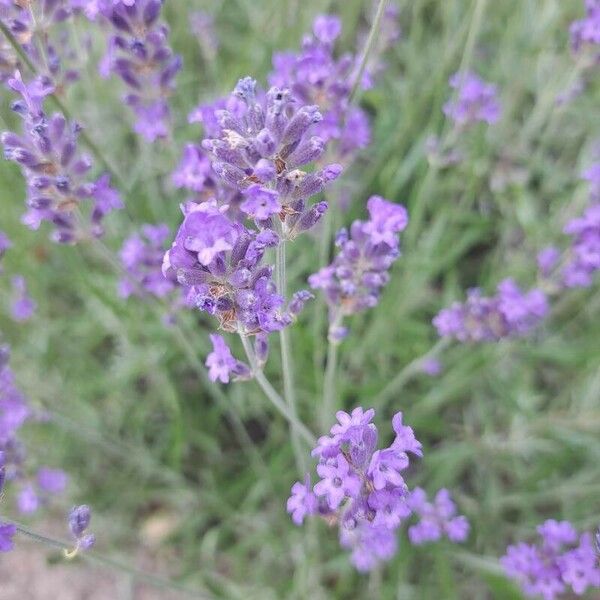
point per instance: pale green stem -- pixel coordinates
(275, 399)
(329, 391)
(287, 365)
(93, 556)
(408, 372)
(368, 47)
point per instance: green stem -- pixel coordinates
(93, 556)
(395, 386)
(368, 48)
(329, 403)
(274, 397)
(287, 365)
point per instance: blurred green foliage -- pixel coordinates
(511, 428)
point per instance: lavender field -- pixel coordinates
(300, 299)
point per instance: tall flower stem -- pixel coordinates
(93, 556)
(368, 48)
(287, 365)
(408, 372)
(276, 400)
(329, 404)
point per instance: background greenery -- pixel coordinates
(511, 428)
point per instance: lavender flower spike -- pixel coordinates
(353, 281)
(476, 100)
(7, 533)
(79, 520)
(139, 54)
(361, 489)
(561, 562)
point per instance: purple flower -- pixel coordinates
(221, 363)
(360, 488)
(432, 367)
(78, 521)
(436, 519)
(302, 502)
(56, 174)
(586, 32)
(52, 481)
(475, 100)
(405, 437)
(385, 468)
(338, 481)
(556, 564)
(260, 202)
(23, 306)
(138, 52)
(28, 500)
(354, 280)
(193, 171)
(510, 313)
(7, 533)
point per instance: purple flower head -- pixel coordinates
(56, 173)
(585, 33)
(560, 562)
(360, 488)
(28, 501)
(79, 520)
(7, 533)
(316, 75)
(302, 502)
(510, 313)
(475, 100)
(194, 171)
(14, 410)
(23, 306)
(432, 367)
(221, 363)
(52, 481)
(436, 519)
(139, 53)
(354, 280)
(141, 257)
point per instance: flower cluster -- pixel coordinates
(260, 153)
(436, 519)
(362, 489)
(79, 520)
(141, 257)
(316, 76)
(14, 413)
(511, 312)
(562, 561)
(586, 32)
(33, 26)
(219, 260)
(221, 364)
(23, 306)
(475, 100)
(353, 281)
(584, 257)
(139, 53)
(56, 173)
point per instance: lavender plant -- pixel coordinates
(259, 192)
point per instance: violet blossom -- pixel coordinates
(511, 312)
(23, 306)
(79, 520)
(56, 174)
(354, 280)
(363, 491)
(585, 33)
(561, 561)
(139, 53)
(475, 100)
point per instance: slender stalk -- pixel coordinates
(287, 365)
(408, 372)
(274, 397)
(93, 556)
(368, 48)
(329, 384)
